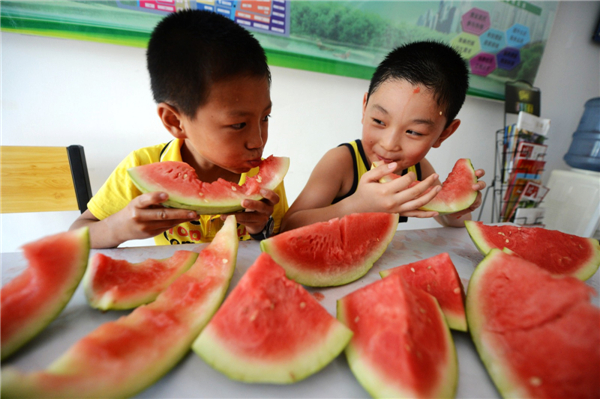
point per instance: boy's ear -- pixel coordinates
(171, 119)
(364, 107)
(447, 133)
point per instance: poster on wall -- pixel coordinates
(500, 40)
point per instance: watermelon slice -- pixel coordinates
(438, 276)
(33, 299)
(557, 252)
(457, 192)
(270, 329)
(117, 284)
(536, 333)
(401, 346)
(123, 357)
(180, 181)
(335, 252)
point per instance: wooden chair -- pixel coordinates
(43, 179)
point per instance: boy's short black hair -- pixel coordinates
(190, 50)
(435, 65)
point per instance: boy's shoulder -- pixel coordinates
(169, 151)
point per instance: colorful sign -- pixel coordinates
(501, 41)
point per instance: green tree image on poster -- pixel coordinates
(501, 40)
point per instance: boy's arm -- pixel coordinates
(456, 219)
(333, 176)
(143, 217)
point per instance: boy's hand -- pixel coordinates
(257, 213)
(396, 196)
(144, 217)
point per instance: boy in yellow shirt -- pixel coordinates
(210, 79)
(413, 99)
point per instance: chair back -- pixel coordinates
(43, 179)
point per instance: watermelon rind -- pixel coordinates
(584, 271)
(117, 298)
(257, 305)
(216, 353)
(297, 270)
(154, 348)
(55, 301)
(377, 385)
(457, 204)
(212, 206)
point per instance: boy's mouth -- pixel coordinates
(255, 162)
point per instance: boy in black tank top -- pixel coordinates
(410, 107)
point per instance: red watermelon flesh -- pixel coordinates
(557, 252)
(118, 284)
(438, 277)
(536, 333)
(34, 298)
(270, 329)
(401, 346)
(457, 192)
(335, 252)
(186, 191)
(123, 357)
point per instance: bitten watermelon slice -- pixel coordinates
(438, 277)
(557, 252)
(34, 298)
(270, 329)
(457, 192)
(536, 333)
(401, 346)
(117, 284)
(121, 358)
(335, 252)
(186, 191)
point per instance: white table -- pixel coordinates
(192, 378)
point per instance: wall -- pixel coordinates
(61, 92)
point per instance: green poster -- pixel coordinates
(500, 40)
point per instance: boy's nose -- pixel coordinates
(257, 138)
(391, 141)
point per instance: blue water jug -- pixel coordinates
(584, 152)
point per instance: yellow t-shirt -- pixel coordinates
(119, 190)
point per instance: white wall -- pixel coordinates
(61, 92)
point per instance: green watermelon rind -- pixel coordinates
(497, 369)
(457, 205)
(107, 301)
(309, 278)
(306, 362)
(18, 384)
(55, 305)
(377, 387)
(213, 207)
(584, 272)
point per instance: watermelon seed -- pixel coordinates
(412, 269)
(225, 260)
(302, 305)
(272, 306)
(254, 315)
(259, 179)
(185, 176)
(205, 200)
(356, 319)
(407, 346)
(507, 240)
(429, 267)
(428, 287)
(233, 188)
(201, 194)
(422, 310)
(457, 290)
(535, 381)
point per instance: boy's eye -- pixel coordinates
(238, 126)
(413, 133)
(377, 121)
(266, 118)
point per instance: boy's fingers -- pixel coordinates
(480, 173)
(149, 199)
(380, 171)
(420, 214)
(270, 196)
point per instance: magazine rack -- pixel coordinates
(519, 96)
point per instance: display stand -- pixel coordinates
(519, 96)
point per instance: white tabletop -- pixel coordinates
(192, 378)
